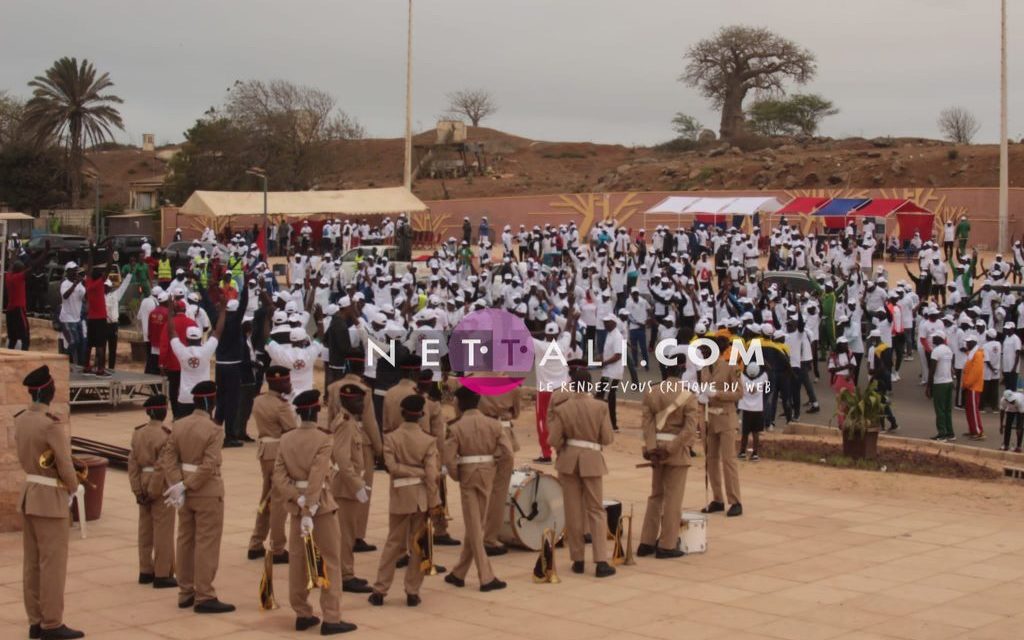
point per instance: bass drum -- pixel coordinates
(534, 504)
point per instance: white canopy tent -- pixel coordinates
(354, 202)
(715, 210)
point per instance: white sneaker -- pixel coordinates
(895, 377)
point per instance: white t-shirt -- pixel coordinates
(555, 371)
(300, 360)
(943, 357)
(753, 392)
(71, 307)
(613, 347)
(195, 365)
(1011, 345)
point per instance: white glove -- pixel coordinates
(363, 495)
(71, 499)
(175, 495)
(306, 525)
(314, 509)
(301, 502)
(444, 469)
(702, 398)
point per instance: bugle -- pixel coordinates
(267, 601)
(316, 572)
(623, 553)
(48, 458)
(544, 570)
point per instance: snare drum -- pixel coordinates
(693, 529)
(534, 504)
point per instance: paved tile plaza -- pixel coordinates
(818, 554)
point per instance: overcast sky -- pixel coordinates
(599, 70)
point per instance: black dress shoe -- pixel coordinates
(603, 570)
(361, 546)
(301, 624)
(376, 599)
(452, 580)
(402, 562)
(412, 600)
(493, 585)
(543, 460)
(735, 510)
(247, 438)
(446, 541)
(356, 586)
(34, 631)
(495, 551)
(146, 578)
(577, 567)
(165, 583)
(440, 569)
(332, 628)
(662, 554)
(645, 550)
(187, 602)
(713, 507)
(63, 632)
(281, 558)
(232, 444)
(256, 554)
(213, 606)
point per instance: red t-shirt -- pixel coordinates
(168, 360)
(14, 283)
(95, 299)
(157, 321)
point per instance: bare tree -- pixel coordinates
(475, 104)
(739, 60)
(958, 125)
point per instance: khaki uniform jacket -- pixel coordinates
(148, 441)
(347, 457)
(411, 453)
(579, 416)
(503, 408)
(369, 432)
(195, 439)
(393, 403)
(304, 455)
(680, 423)
(728, 391)
(35, 431)
(274, 417)
(475, 434)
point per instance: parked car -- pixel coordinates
(119, 248)
(178, 251)
(63, 247)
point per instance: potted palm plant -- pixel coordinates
(859, 413)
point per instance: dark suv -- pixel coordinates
(120, 248)
(63, 247)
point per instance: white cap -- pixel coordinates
(343, 302)
(331, 309)
(70, 265)
(194, 333)
(108, 282)
(162, 297)
(179, 272)
(156, 291)
(609, 317)
(298, 334)
(1009, 326)
(279, 317)
(551, 329)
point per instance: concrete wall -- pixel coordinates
(14, 366)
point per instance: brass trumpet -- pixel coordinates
(423, 546)
(267, 601)
(544, 571)
(623, 554)
(316, 571)
(48, 457)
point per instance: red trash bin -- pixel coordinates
(93, 494)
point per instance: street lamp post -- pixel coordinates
(408, 106)
(262, 175)
(1004, 144)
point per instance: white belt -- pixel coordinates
(665, 437)
(583, 444)
(43, 480)
(506, 423)
(148, 469)
(302, 484)
(475, 459)
(266, 439)
(406, 482)
(189, 468)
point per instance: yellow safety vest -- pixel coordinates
(163, 271)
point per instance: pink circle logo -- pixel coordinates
(491, 341)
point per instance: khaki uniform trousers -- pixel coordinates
(474, 506)
(45, 569)
(200, 525)
(496, 504)
(664, 506)
(272, 520)
(363, 510)
(156, 538)
(348, 525)
(402, 530)
(721, 460)
(584, 509)
(326, 537)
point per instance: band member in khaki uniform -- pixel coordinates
(504, 409)
(369, 432)
(44, 504)
(300, 476)
(156, 519)
(191, 460)
(411, 458)
(579, 427)
(434, 424)
(474, 443)
(724, 392)
(274, 417)
(393, 398)
(348, 487)
(669, 417)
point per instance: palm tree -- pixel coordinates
(68, 106)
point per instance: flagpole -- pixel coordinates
(1004, 146)
(408, 106)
